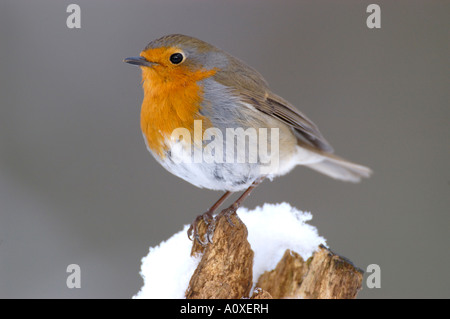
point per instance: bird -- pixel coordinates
(195, 94)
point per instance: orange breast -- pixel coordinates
(172, 100)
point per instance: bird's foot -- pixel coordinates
(207, 218)
(210, 222)
(227, 212)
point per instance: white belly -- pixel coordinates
(193, 165)
(216, 176)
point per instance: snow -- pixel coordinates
(167, 268)
(272, 229)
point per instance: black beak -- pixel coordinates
(138, 60)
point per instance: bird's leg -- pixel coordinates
(227, 212)
(207, 217)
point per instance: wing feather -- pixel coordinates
(249, 86)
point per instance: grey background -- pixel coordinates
(78, 186)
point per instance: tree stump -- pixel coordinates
(225, 270)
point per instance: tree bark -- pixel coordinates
(225, 270)
(323, 276)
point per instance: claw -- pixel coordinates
(193, 229)
(200, 241)
(228, 216)
(228, 212)
(210, 221)
(210, 231)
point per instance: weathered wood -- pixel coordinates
(225, 270)
(323, 276)
(261, 294)
(331, 276)
(286, 279)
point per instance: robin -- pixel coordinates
(187, 82)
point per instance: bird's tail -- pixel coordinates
(340, 168)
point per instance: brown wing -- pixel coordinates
(251, 87)
(304, 128)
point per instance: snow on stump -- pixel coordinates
(270, 252)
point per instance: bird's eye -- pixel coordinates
(176, 58)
